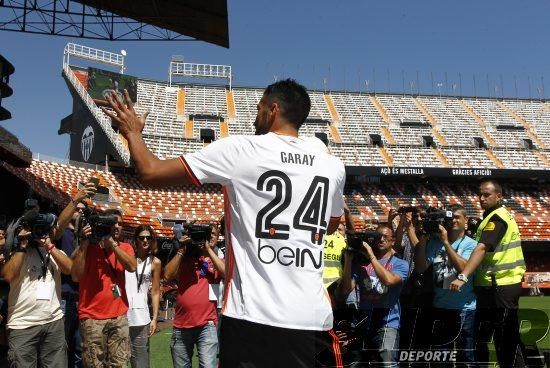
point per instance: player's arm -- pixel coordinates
(152, 170)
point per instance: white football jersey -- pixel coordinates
(280, 193)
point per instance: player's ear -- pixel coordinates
(274, 110)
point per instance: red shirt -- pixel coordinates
(193, 307)
(96, 299)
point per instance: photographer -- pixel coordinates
(497, 281)
(334, 245)
(99, 266)
(66, 241)
(447, 252)
(197, 268)
(69, 213)
(35, 318)
(376, 275)
(145, 280)
(410, 218)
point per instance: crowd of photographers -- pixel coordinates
(80, 296)
(433, 281)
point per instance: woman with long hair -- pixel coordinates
(146, 280)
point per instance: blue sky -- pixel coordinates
(345, 42)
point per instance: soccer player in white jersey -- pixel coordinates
(282, 195)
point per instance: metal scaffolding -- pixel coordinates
(74, 19)
(178, 68)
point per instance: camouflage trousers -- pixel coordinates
(105, 342)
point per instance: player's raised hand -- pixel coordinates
(126, 118)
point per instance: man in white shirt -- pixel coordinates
(282, 195)
(36, 333)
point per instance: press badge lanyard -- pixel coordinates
(457, 248)
(45, 264)
(140, 278)
(386, 267)
(111, 269)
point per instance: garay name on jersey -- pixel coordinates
(297, 158)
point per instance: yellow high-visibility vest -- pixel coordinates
(332, 257)
(505, 262)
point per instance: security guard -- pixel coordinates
(497, 280)
(335, 244)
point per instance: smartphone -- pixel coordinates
(94, 180)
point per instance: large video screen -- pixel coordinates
(101, 83)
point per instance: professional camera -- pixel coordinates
(198, 233)
(39, 224)
(407, 209)
(355, 240)
(101, 224)
(435, 217)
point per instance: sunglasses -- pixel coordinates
(144, 237)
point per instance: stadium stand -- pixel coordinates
(205, 100)
(494, 116)
(535, 114)
(529, 205)
(141, 205)
(413, 156)
(359, 117)
(245, 110)
(369, 202)
(350, 120)
(467, 157)
(364, 130)
(452, 120)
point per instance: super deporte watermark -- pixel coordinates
(428, 356)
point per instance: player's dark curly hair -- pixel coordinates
(292, 98)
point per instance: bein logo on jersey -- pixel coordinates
(287, 256)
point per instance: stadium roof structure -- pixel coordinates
(12, 151)
(6, 69)
(148, 20)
